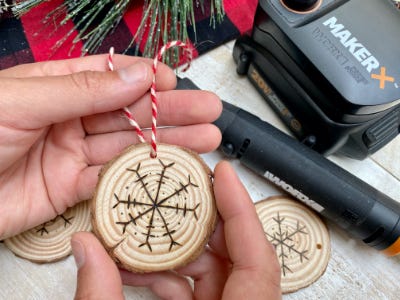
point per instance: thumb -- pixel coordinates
(255, 267)
(98, 276)
(40, 101)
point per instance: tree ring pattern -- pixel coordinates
(154, 213)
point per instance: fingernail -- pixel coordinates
(134, 73)
(78, 250)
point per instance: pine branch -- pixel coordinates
(162, 21)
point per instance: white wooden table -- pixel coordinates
(355, 271)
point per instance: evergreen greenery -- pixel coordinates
(162, 20)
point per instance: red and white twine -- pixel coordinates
(127, 112)
(153, 95)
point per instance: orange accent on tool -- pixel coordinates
(393, 249)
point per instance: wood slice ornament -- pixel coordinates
(300, 238)
(154, 214)
(154, 206)
(50, 241)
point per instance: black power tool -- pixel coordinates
(357, 207)
(330, 69)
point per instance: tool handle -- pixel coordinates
(363, 211)
(360, 209)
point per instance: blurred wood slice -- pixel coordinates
(300, 237)
(50, 241)
(154, 214)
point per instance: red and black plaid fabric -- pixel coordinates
(27, 40)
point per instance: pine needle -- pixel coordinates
(162, 21)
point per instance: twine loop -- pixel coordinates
(153, 95)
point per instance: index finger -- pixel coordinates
(89, 63)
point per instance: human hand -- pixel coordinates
(60, 122)
(238, 264)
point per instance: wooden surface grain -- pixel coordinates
(355, 271)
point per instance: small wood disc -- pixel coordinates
(154, 214)
(50, 241)
(300, 238)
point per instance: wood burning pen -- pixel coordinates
(361, 210)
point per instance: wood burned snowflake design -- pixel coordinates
(50, 241)
(154, 213)
(285, 236)
(300, 238)
(155, 202)
(44, 228)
